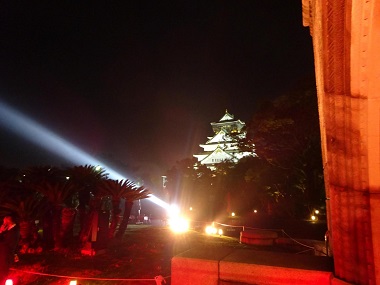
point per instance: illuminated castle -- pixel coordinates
(223, 146)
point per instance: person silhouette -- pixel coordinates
(9, 237)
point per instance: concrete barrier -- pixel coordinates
(224, 265)
(198, 266)
(273, 268)
(317, 246)
(258, 237)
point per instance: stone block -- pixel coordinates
(272, 268)
(198, 266)
(258, 237)
(336, 281)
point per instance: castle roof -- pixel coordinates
(227, 117)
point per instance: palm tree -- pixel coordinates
(117, 190)
(86, 179)
(132, 194)
(58, 196)
(28, 209)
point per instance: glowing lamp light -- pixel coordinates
(316, 212)
(173, 211)
(9, 282)
(314, 218)
(73, 282)
(211, 230)
(179, 225)
(255, 211)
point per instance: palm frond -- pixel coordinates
(26, 208)
(122, 189)
(56, 192)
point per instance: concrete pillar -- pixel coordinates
(346, 40)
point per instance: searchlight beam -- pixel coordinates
(41, 136)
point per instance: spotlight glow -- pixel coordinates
(212, 230)
(39, 135)
(173, 211)
(179, 224)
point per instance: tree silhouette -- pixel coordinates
(286, 134)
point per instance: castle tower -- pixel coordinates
(223, 145)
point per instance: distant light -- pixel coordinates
(233, 214)
(255, 211)
(9, 282)
(212, 230)
(173, 211)
(314, 218)
(316, 212)
(73, 282)
(98, 168)
(179, 224)
(191, 208)
(67, 177)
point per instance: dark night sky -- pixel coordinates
(140, 81)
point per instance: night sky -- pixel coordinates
(140, 81)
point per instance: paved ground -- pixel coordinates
(145, 252)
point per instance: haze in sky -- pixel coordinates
(138, 82)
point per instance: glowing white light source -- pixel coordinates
(316, 212)
(9, 282)
(73, 282)
(211, 230)
(179, 224)
(314, 218)
(255, 211)
(173, 211)
(233, 214)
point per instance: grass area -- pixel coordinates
(144, 252)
